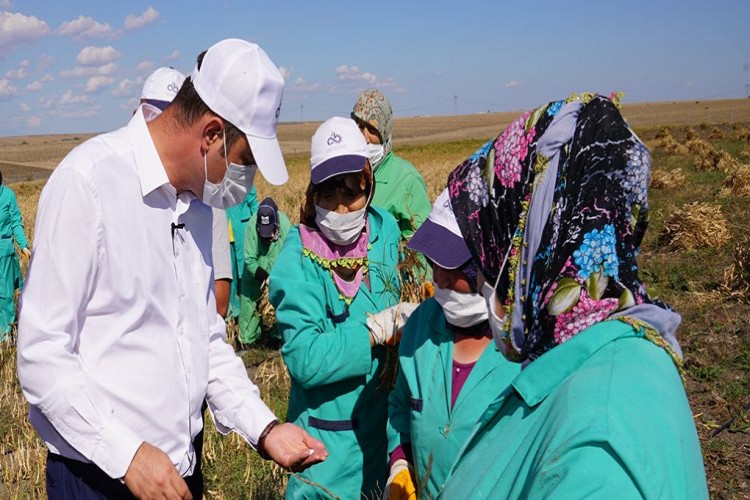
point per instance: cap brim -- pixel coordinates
(440, 245)
(162, 105)
(269, 159)
(344, 164)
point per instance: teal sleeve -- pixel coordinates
(250, 246)
(590, 470)
(17, 223)
(315, 351)
(399, 408)
(253, 200)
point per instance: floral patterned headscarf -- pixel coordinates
(374, 108)
(561, 194)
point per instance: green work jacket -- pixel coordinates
(11, 225)
(603, 415)
(335, 373)
(420, 405)
(238, 217)
(400, 189)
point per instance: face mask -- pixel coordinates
(341, 229)
(461, 309)
(233, 187)
(376, 152)
(497, 325)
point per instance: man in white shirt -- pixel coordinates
(119, 338)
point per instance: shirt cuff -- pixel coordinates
(116, 449)
(247, 422)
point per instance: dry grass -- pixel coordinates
(737, 182)
(661, 179)
(737, 275)
(695, 225)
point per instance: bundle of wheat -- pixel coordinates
(695, 225)
(737, 183)
(265, 309)
(661, 179)
(716, 160)
(691, 134)
(742, 134)
(716, 133)
(737, 275)
(699, 147)
(745, 154)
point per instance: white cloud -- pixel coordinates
(83, 112)
(7, 90)
(95, 56)
(24, 63)
(17, 29)
(16, 74)
(6, 4)
(95, 84)
(48, 78)
(45, 61)
(137, 22)
(25, 108)
(68, 99)
(301, 85)
(126, 87)
(511, 84)
(84, 71)
(35, 86)
(33, 122)
(144, 67)
(285, 72)
(85, 27)
(130, 104)
(353, 73)
(173, 56)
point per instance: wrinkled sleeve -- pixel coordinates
(250, 246)
(316, 352)
(233, 399)
(59, 284)
(585, 470)
(417, 205)
(16, 222)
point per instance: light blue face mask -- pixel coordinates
(233, 188)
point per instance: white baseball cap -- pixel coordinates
(338, 147)
(439, 238)
(238, 82)
(162, 86)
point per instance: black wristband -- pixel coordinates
(260, 274)
(262, 439)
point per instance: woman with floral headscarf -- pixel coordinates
(400, 189)
(554, 211)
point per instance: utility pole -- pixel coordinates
(455, 104)
(301, 109)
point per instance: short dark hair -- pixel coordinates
(190, 107)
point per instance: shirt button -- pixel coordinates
(446, 430)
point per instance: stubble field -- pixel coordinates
(696, 256)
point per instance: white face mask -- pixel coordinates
(233, 188)
(376, 152)
(497, 325)
(341, 229)
(461, 309)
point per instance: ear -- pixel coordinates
(211, 130)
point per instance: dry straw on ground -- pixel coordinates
(716, 133)
(695, 225)
(737, 275)
(661, 179)
(737, 183)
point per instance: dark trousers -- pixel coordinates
(68, 478)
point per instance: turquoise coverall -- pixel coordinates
(401, 190)
(258, 253)
(335, 373)
(238, 216)
(603, 415)
(420, 405)
(11, 227)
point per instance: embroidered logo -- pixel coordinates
(334, 139)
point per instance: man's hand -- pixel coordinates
(293, 448)
(152, 474)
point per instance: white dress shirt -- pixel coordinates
(119, 340)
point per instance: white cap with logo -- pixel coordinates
(238, 82)
(162, 86)
(338, 147)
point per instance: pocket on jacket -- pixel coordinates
(416, 404)
(333, 425)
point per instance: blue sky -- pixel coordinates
(78, 66)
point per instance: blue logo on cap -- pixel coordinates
(334, 139)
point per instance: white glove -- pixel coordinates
(386, 326)
(403, 487)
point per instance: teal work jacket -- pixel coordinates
(335, 373)
(420, 405)
(401, 190)
(603, 415)
(238, 217)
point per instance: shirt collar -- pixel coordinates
(540, 377)
(150, 170)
